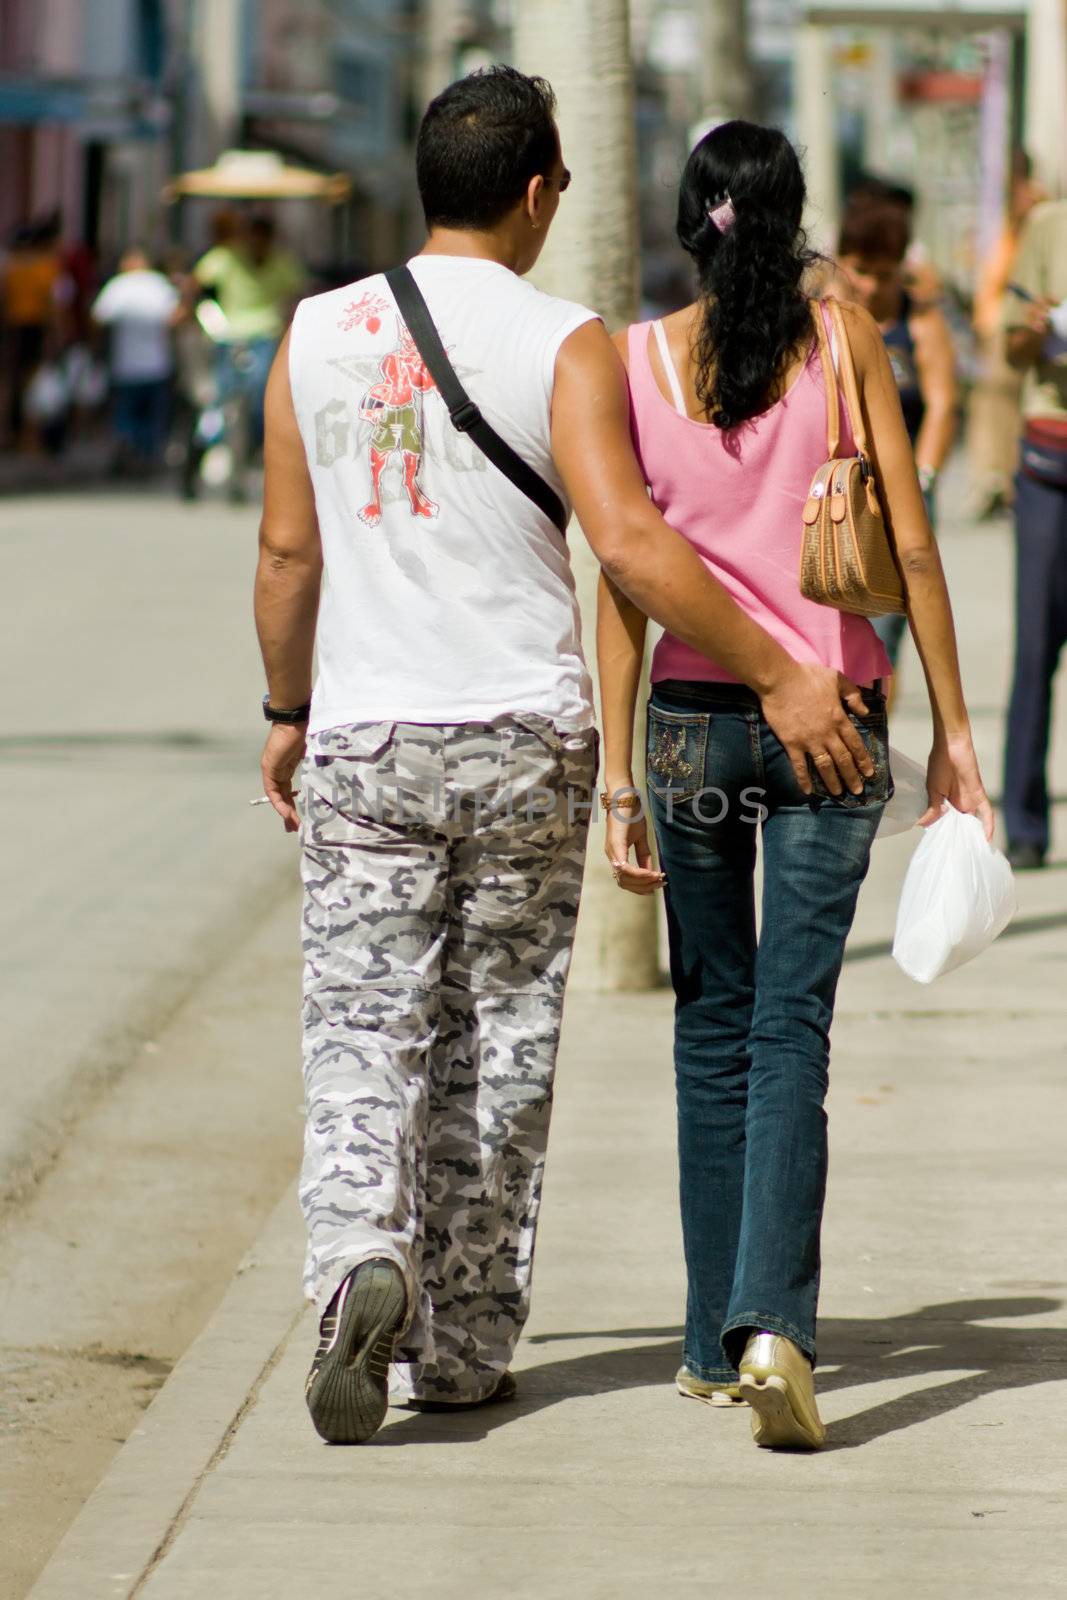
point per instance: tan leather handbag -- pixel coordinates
(846, 558)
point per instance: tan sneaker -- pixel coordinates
(712, 1394)
(777, 1382)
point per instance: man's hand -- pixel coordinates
(1036, 316)
(282, 754)
(804, 709)
(1024, 343)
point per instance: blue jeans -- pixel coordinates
(241, 373)
(752, 1018)
(1040, 634)
(140, 414)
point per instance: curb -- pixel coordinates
(134, 1514)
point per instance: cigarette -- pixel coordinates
(264, 800)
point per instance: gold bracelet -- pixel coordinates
(622, 800)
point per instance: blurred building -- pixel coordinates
(936, 96)
(102, 100)
(932, 93)
(333, 84)
(459, 36)
(84, 113)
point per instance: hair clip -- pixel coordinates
(722, 214)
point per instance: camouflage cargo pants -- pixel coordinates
(442, 870)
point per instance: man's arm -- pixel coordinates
(1026, 320)
(1023, 348)
(288, 579)
(663, 575)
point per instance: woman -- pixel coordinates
(729, 423)
(871, 250)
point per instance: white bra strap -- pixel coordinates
(668, 366)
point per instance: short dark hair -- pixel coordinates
(874, 232)
(480, 143)
(881, 191)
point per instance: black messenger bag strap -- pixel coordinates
(461, 408)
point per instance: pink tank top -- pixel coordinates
(737, 497)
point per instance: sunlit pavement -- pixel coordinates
(943, 1346)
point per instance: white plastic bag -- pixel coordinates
(47, 395)
(909, 796)
(958, 895)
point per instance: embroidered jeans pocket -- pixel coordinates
(878, 789)
(677, 744)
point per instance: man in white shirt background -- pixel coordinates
(139, 307)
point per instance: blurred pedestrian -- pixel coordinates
(871, 249)
(139, 306)
(921, 278)
(255, 283)
(993, 406)
(31, 291)
(1035, 319)
(48, 399)
(728, 402)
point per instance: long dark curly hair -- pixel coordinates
(755, 313)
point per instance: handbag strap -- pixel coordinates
(833, 403)
(465, 415)
(848, 379)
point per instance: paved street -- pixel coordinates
(943, 1342)
(149, 986)
(130, 741)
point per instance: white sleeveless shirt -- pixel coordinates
(447, 595)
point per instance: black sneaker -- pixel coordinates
(1025, 857)
(505, 1389)
(347, 1391)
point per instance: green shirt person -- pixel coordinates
(255, 283)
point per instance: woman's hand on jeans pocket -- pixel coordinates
(952, 774)
(639, 875)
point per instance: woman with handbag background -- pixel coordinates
(871, 247)
(730, 417)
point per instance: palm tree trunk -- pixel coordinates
(583, 48)
(724, 69)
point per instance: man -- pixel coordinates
(255, 283)
(1036, 329)
(450, 752)
(140, 307)
(871, 246)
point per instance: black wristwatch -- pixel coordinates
(289, 719)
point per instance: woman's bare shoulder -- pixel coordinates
(864, 336)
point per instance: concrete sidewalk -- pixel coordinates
(943, 1343)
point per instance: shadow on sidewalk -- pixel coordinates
(945, 1338)
(1048, 920)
